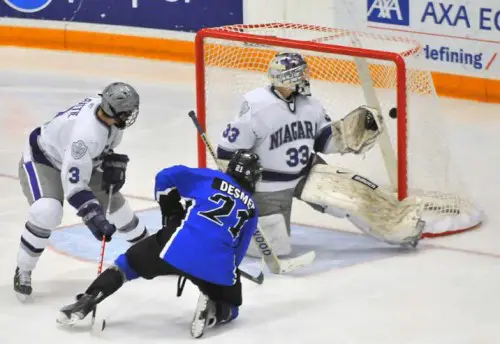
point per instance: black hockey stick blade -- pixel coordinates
(259, 279)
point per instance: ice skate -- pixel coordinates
(204, 316)
(22, 285)
(70, 314)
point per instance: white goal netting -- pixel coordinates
(347, 69)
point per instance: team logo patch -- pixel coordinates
(28, 6)
(244, 108)
(78, 149)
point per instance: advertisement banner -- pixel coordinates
(179, 15)
(457, 36)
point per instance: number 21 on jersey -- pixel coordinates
(225, 207)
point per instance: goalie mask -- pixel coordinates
(245, 168)
(290, 70)
(120, 101)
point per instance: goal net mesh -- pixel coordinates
(230, 65)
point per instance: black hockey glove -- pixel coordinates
(171, 208)
(95, 219)
(113, 171)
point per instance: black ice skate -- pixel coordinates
(70, 314)
(22, 285)
(204, 316)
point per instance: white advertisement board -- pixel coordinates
(457, 36)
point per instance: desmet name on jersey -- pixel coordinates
(230, 189)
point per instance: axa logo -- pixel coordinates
(395, 12)
(28, 6)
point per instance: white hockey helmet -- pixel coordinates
(290, 70)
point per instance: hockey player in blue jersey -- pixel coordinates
(208, 220)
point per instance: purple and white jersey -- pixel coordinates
(74, 142)
(284, 137)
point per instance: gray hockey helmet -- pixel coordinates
(120, 101)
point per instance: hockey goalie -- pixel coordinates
(286, 126)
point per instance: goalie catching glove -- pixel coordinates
(358, 130)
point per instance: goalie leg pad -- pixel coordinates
(275, 228)
(373, 209)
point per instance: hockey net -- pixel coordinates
(347, 69)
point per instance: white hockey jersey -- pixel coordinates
(283, 139)
(74, 142)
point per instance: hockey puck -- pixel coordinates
(393, 113)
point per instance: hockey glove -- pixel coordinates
(114, 167)
(171, 207)
(95, 219)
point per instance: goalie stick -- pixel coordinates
(274, 264)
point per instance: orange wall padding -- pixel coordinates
(448, 85)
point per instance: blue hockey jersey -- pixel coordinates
(213, 238)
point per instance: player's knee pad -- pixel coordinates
(275, 230)
(128, 224)
(46, 213)
(123, 265)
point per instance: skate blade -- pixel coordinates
(64, 320)
(200, 317)
(24, 298)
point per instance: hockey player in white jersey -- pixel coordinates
(286, 126)
(71, 158)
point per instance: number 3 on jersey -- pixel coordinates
(296, 156)
(225, 209)
(74, 175)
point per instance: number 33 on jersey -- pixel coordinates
(283, 139)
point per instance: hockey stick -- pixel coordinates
(259, 279)
(103, 248)
(273, 263)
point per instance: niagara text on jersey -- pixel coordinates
(283, 134)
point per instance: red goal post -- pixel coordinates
(347, 69)
(237, 33)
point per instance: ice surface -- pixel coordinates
(445, 292)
